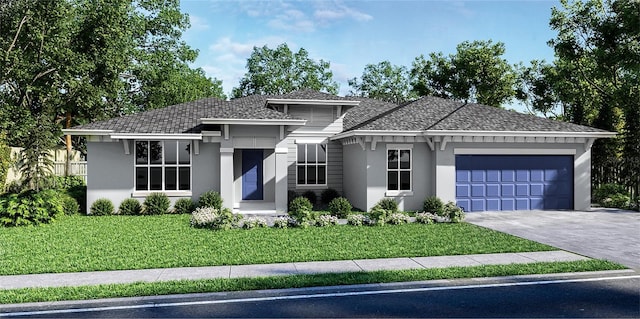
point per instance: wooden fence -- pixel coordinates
(78, 166)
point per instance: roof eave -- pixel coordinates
(252, 121)
(473, 133)
(84, 132)
(313, 102)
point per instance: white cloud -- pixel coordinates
(341, 11)
(292, 20)
(198, 23)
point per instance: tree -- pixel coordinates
(279, 71)
(383, 81)
(475, 73)
(598, 41)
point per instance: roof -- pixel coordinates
(425, 114)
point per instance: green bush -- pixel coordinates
(254, 222)
(328, 195)
(156, 204)
(300, 210)
(130, 206)
(184, 206)
(379, 215)
(226, 219)
(453, 212)
(311, 196)
(607, 191)
(340, 207)
(617, 200)
(291, 195)
(388, 204)
(210, 199)
(69, 204)
(433, 205)
(397, 218)
(102, 207)
(5, 160)
(30, 208)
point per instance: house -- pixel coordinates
(254, 149)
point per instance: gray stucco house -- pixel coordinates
(254, 149)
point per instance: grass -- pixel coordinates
(84, 243)
(294, 281)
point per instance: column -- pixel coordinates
(282, 187)
(226, 177)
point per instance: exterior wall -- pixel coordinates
(445, 165)
(319, 118)
(334, 167)
(355, 175)
(205, 170)
(111, 173)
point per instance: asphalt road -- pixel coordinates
(579, 297)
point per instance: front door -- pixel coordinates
(252, 174)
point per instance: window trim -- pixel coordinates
(399, 148)
(163, 166)
(316, 164)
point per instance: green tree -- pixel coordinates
(477, 72)
(383, 81)
(279, 71)
(599, 42)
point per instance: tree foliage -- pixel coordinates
(477, 72)
(280, 71)
(383, 81)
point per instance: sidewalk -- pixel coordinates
(282, 269)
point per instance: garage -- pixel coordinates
(514, 182)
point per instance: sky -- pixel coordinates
(352, 34)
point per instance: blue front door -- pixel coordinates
(252, 174)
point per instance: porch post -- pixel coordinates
(281, 178)
(226, 177)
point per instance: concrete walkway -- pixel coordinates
(265, 270)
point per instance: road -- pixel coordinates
(578, 297)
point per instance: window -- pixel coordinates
(398, 169)
(312, 164)
(163, 165)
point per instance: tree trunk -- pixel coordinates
(67, 166)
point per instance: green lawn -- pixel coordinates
(295, 281)
(83, 243)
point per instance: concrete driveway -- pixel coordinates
(609, 234)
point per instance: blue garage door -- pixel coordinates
(514, 182)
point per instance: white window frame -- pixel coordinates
(316, 164)
(399, 148)
(162, 166)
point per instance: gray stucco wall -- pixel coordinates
(355, 175)
(205, 170)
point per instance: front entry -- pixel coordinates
(252, 174)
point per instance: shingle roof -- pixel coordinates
(428, 113)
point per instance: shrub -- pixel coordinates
(426, 218)
(130, 206)
(203, 217)
(184, 206)
(282, 222)
(617, 200)
(254, 222)
(340, 207)
(328, 195)
(311, 196)
(433, 205)
(210, 199)
(379, 215)
(453, 212)
(607, 191)
(69, 204)
(388, 204)
(397, 218)
(300, 210)
(326, 220)
(156, 204)
(30, 208)
(357, 220)
(67, 182)
(226, 219)
(102, 207)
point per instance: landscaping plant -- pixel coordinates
(30, 208)
(357, 220)
(300, 210)
(156, 204)
(69, 204)
(326, 220)
(254, 222)
(210, 199)
(453, 212)
(388, 204)
(433, 205)
(340, 207)
(328, 195)
(101, 207)
(397, 218)
(311, 196)
(184, 206)
(130, 206)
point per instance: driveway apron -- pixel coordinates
(609, 234)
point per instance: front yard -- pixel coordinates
(85, 243)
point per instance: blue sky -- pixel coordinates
(351, 34)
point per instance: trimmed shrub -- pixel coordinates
(254, 222)
(210, 199)
(203, 217)
(156, 204)
(453, 212)
(397, 218)
(69, 204)
(184, 206)
(426, 218)
(300, 210)
(357, 220)
(102, 207)
(378, 215)
(30, 208)
(388, 204)
(340, 207)
(227, 219)
(311, 196)
(326, 220)
(605, 191)
(328, 195)
(433, 205)
(130, 206)
(209, 217)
